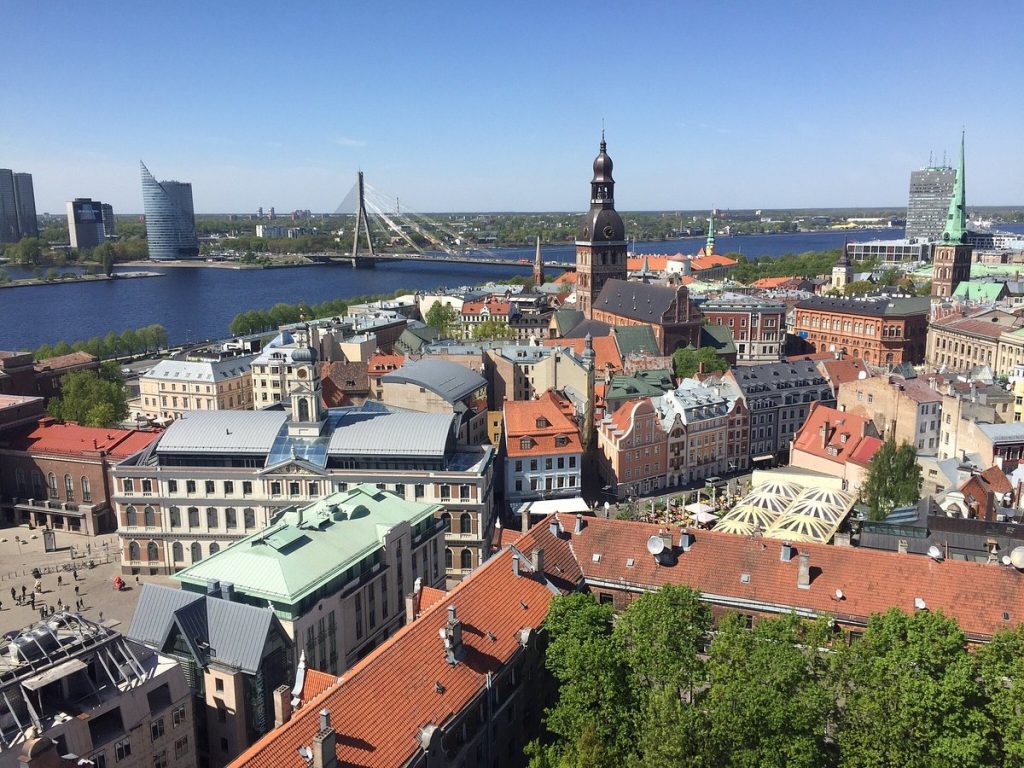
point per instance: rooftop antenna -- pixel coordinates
(931, 161)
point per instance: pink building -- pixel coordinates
(835, 443)
(632, 450)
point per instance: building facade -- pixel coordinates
(667, 310)
(544, 456)
(952, 256)
(85, 223)
(758, 326)
(632, 450)
(601, 242)
(174, 387)
(25, 202)
(960, 343)
(170, 218)
(903, 410)
(878, 330)
(928, 201)
(835, 443)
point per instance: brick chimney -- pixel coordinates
(537, 560)
(324, 743)
(282, 705)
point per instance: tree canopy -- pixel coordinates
(492, 328)
(687, 361)
(893, 479)
(443, 317)
(91, 398)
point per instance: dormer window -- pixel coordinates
(525, 444)
(542, 422)
(561, 441)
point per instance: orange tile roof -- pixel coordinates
(65, 361)
(504, 537)
(976, 487)
(712, 261)
(655, 263)
(380, 704)
(495, 307)
(872, 581)
(430, 597)
(380, 363)
(520, 421)
(843, 371)
(606, 351)
(865, 451)
(314, 683)
(840, 425)
(773, 282)
(566, 278)
(49, 436)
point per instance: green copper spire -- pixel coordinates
(709, 246)
(956, 219)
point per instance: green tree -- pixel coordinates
(767, 703)
(443, 317)
(492, 328)
(687, 360)
(893, 479)
(859, 288)
(91, 398)
(1001, 663)
(910, 696)
(130, 341)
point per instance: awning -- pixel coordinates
(706, 517)
(699, 508)
(766, 457)
(64, 669)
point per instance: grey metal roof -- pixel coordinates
(154, 614)
(234, 634)
(222, 432)
(395, 433)
(735, 301)
(1003, 433)
(871, 306)
(446, 379)
(205, 372)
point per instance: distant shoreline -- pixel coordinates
(203, 264)
(36, 281)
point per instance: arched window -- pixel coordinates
(193, 517)
(86, 490)
(175, 517)
(196, 552)
(211, 517)
(133, 551)
(149, 515)
(447, 520)
(19, 479)
(152, 552)
(37, 482)
(177, 552)
(466, 559)
(249, 518)
(230, 518)
(129, 517)
(51, 480)
(214, 548)
(465, 523)
(448, 559)
(303, 410)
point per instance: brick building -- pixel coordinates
(904, 410)
(878, 330)
(758, 326)
(20, 374)
(668, 310)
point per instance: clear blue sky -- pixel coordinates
(486, 106)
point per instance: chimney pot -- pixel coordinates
(786, 553)
(537, 560)
(515, 564)
(554, 527)
(282, 705)
(686, 541)
(803, 579)
(579, 525)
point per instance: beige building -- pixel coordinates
(97, 695)
(1010, 356)
(906, 410)
(960, 343)
(285, 364)
(174, 387)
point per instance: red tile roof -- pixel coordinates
(495, 307)
(775, 282)
(655, 263)
(871, 581)
(606, 351)
(710, 262)
(976, 487)
(843, 371)
(846, 432)
(381, 363)
(566, 278)
(314, 683)
(521, 419)
(379, 706)
(865, 451)
(71, 360)
(49, 436)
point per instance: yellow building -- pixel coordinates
(173, 387)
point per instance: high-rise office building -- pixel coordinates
(85, 223)
(108, 219)
(25, 202)
(170, 218)
(9, 230)
(930, 190)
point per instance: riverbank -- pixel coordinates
(37, 281)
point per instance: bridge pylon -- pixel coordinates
(362, 222)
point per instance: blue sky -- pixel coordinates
(487, 106)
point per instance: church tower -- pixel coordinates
(601, 245)
(951, 258)
(538, 268)
(842, 272)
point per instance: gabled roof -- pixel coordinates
(606, 352)
(844, 371)
(446, 379)
(971, 290)
(380, 705)
(542, 421)
(206, 372)
(711, 261)
(638, 301)
(71, 360)
(567, 319)
(871, 306)
(845, 432)
(635, 339)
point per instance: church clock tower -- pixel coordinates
(951, 258)
(601, 245)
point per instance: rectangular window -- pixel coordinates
(172, 486)
(160, 759)
(181, 747)
(293, 488)
(190, 486)
(246, 487)
(229, 487)
(275, 488)
(122, 749)
(418, 491)
(359, 615)
(211, 487)
(178, 717)
(156, 729)
(128, 485)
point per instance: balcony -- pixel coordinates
(51, 506)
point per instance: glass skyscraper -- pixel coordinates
(930, 190)
(9, 231)
(170, 219)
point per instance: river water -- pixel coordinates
(199, 303)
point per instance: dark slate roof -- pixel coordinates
(567, 319)
(639, 301)
(776, 380)
(719, 338)
(446, 379)
(235, 633)
(593, 328)
(633, 339)
(871, 306)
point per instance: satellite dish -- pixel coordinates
(831, 347)
(839, 594)
(305, 753)
(934, 552)
(1017, 558)
(1006, 560)
(862, 375)
(656, 546)
(919, 603)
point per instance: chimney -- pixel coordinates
(525, 519)
(412, 600)
(212, 587)
(901, 547)
(786, 553)
(554, 527)
(824, 436)
(451, 634)
(515, 565)
(324, 743)
(227, 590)
(578, 529)
(686, 540)
(803, 578)
(537, 560)
(282, 705)
(666, 536)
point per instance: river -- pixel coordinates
(199, 303)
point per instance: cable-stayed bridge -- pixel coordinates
(411, 236)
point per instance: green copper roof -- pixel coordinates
(642, 384)
(709, 246)
(979, 291)
(956, 219)
(306, 548)
(635, 339)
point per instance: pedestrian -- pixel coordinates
(59, 579)
(42, 612)
(23, 590)
(136, 579)
(14, 594)
(33, 601)
(60, 604)
(76, 590)
(74, 573)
